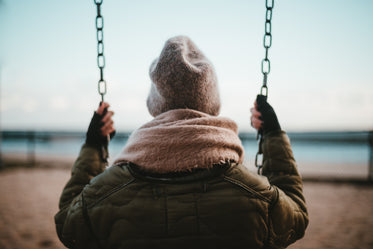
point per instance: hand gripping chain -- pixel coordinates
(266, 69)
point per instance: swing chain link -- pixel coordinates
(100, 49)
(266, 69)
(102, 88)
(267, 43)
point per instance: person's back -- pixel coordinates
(179, 182)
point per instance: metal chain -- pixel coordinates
(267, 43)
(101, 65)
(266, 69)
(100, 49)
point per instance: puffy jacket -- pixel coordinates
(224, 207)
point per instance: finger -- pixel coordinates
(256, 123)
(256, 126)
(107, 126)
(108, 131)
(107, 116)
(111, 131)
(102, 107)
(255, 112)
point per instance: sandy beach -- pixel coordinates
(340, 212)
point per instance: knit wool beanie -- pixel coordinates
(182, 78)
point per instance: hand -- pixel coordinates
(101, 126)
(263, 117)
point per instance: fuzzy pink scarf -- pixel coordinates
(181, 140)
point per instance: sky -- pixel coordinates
(321, 64)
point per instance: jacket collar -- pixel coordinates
(176, 177)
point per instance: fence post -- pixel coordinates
(1, 152)
(370, 174)
(31, 147)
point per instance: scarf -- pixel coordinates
(181, 140)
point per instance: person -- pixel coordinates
(179, 181)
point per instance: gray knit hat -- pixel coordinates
(182, 77)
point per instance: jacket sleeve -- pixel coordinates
(288, 217)
(71, 220)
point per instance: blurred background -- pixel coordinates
(319, 84)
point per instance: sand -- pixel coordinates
(340, 213)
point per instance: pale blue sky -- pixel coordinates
(320, 59)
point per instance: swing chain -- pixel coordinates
(100, 49)
(267, 43)
(266, 69)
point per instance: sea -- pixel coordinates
(351, 149)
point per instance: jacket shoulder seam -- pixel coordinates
(109, 193)
(247, 188)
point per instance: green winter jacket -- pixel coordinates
(224, 207)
